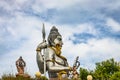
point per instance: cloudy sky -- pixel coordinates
(90, 30)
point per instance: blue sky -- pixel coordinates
(90, 30)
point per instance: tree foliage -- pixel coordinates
(83, 73)
(105, 70)
(115, 76)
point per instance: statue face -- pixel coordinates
(58, 41)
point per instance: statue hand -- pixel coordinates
(43, 45)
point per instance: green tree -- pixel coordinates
(115, 76)
(105, 69)
(83, 73)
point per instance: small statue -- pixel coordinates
(20, 64)
(56, 64)
(75, 73)
(75, 67)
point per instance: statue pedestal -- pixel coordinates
(23, 75)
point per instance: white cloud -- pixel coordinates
(114, 25)
(21, 27)
(27, 51)
(83, 4)
(56, 4)
(96, 50)
(30, 28)
(69, 30)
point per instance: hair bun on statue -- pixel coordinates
(54, 29)
(53, 35)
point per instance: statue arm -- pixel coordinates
(24, 63)
(17, 64)
(42, 45)
(58, 68)
(39, 56)
(38, 48)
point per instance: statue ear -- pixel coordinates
(51, 43)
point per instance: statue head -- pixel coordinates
(20, 58)
(54, 38)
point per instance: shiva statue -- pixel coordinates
(56, 64)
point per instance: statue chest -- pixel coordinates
(21, 64)
(57, 60)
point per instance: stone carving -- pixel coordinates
(75, 73)
(75, 67)
(20, 64)
(56, 64)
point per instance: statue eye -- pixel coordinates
(59, 39)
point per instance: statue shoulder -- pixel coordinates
(42, 45)
(50, 50)
(49, 53)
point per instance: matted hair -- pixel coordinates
(53, 35)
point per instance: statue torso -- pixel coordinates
(57, 60)
(53, 60)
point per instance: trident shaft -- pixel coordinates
(43, 35)
(43, 32)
